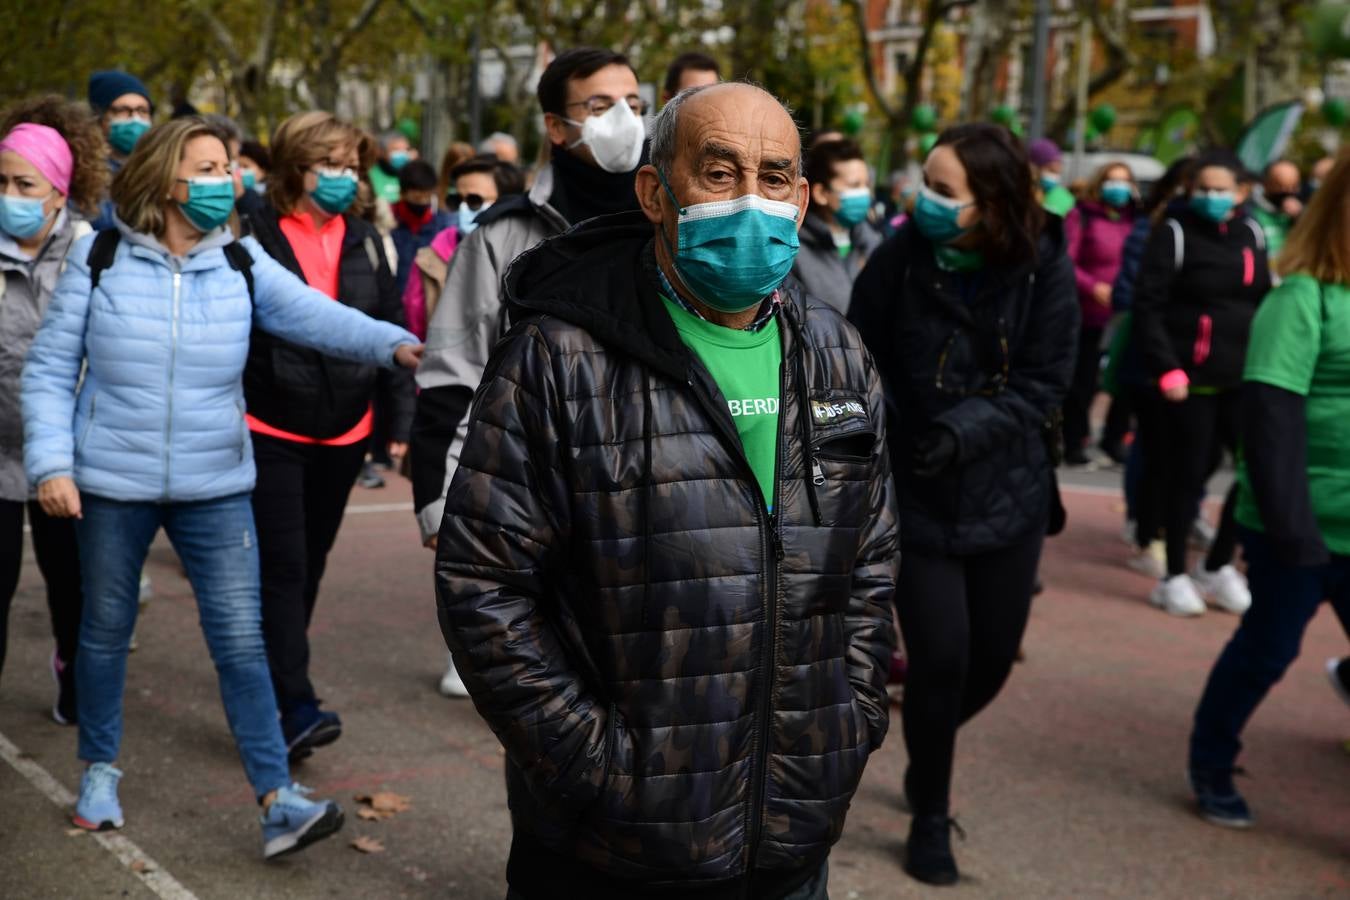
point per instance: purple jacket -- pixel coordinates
(1096, 235)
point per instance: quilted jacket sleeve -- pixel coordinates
(1039, 370)
(1152, 293)
(506, 528)
(51, 373)
(870, 626)
(289, 308)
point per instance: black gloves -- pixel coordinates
(933, 452)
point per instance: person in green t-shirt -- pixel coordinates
(1293, 490)
(395, 153)
(1278, 204)
(1047, 163)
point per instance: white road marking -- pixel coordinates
(132, 857)
(379, 508)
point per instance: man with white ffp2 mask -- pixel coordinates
(593, 123)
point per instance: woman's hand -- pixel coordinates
(1101, 292)
(1177, 392)
(409, 355)
(60, 498)
(397, 450)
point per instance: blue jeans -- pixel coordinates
(216, 542)
(1284, 600)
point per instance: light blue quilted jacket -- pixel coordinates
(159, 412)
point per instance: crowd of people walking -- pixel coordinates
(699, 430)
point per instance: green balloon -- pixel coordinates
(1004, 115)
(1091, 135)
(410, 129)
(926, 142)
(853, 122)
(1103, 117)
(1017, 129)
(1328, 29)
(924, 118)
(1335, 111)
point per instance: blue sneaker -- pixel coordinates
(1218, 799)
(292, 822)
(97, 808)
(307, 727)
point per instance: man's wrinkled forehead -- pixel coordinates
(741, 125)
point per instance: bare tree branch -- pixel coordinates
(355, 26)
(219, 32)
(1119, 61)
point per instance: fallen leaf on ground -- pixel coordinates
(385, 805)
(370, 815)
(140, 865)
(75, 832)
(367, 845)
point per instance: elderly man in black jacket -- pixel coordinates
(680, 639)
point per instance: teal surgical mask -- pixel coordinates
(335, 191)
(398, 159)
(937, 216)
(1117, 193)
(732, 253)
(249, 179)
(209, 202)
(1213, 205)
(854, 205)
(1049, 181)
(125, 133)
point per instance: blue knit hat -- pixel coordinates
(108, 85)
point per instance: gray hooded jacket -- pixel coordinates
(820, 268)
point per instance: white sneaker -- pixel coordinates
(1334, 676)
(1128, 533)
(1177, 596)
(451, 684)
(1202, 533)
(1150, 561)
(1226, 588)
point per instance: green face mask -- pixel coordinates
(124, 134)
(733, 253)
(209, 202)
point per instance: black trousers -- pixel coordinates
(962, 619)
(59, 563)
(297, 507)
(1184, 443)
(1083, 390)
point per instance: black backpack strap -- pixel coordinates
(237, 256)
(102, 254)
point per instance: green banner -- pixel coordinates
(1177, 132)
(1263, 140)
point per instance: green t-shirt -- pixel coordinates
(745, 365)
(384, 184)
(1300, 342)
(1059, 200)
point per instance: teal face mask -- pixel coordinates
(854, 205)
(1117, 193)
(1213, 205)
(936, 216)
(1049, 181)
(398, 159)
(124, 133)
(249, 179)
(209, 202)
(733, 253)
(335, 190)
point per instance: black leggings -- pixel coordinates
(298, 504)
(54, 546)
(962, 618)
(1187, 440)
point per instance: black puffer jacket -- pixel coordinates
(987, 356)
(687, 685)
(303, 391)
(1199, 285)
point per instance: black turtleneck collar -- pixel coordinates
(583, 191)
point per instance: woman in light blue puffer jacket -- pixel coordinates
(134, 420)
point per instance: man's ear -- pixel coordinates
(555, 129)
(803, 195)
(650, 195)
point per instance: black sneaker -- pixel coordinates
(928, 853)
(63, 673)
(369, 478)
(307, 727)
(1218, 799)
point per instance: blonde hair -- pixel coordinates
(1319, 243)
(302, 142)
(141, 190)
(1094, 188)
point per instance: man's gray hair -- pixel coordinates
(665, 128)
(489, 143)
(388, 137)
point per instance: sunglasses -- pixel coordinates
(472, 201)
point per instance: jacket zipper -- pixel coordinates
(173, 356)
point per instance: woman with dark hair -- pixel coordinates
(1203, 273)
(971, 314)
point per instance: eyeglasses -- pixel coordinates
(127, 112)
(963, 368)
(472, 201)
(600, 104)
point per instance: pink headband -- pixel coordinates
(45, 149)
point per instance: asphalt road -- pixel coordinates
(1069, 786)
